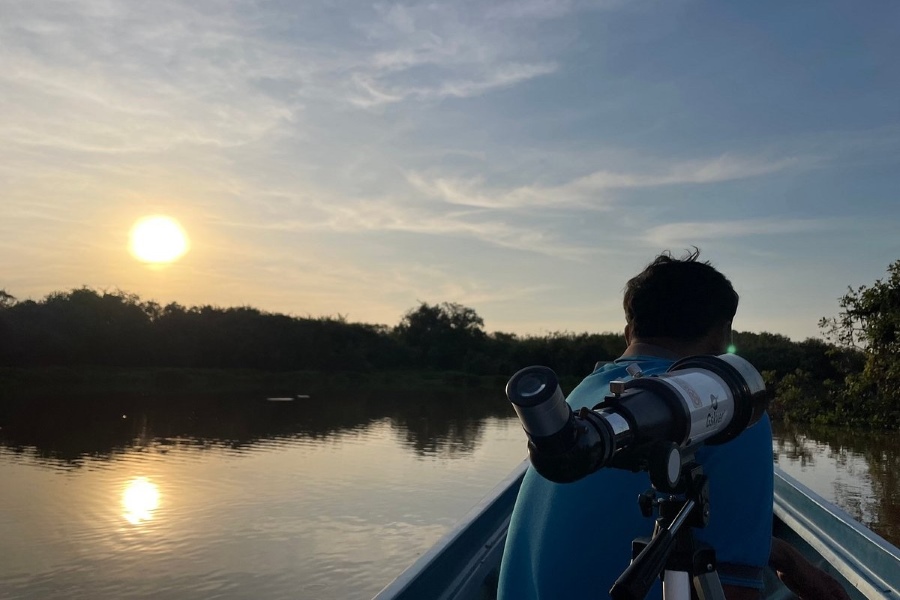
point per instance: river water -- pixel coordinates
(205, 496)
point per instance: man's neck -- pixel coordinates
(675, 348)
(648, 349)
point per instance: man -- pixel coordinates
(573, 540)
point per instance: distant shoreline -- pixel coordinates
(287, 383)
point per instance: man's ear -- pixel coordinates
(629, 334)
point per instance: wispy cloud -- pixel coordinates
(594, 190)
(721, 168)
(500, 76)
(100, 77)
(688, 232)
(477, 194)
(466, 54)
(391, 215)
(548, 9)
(73, 79)
(512, 217)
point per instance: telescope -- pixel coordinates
(650, 423)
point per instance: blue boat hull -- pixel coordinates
(465, 563)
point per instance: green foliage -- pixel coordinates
(85, 327)
(800, 397)
(774, 352)
(445, 336)
(6, 299)
(869, 323)
(568, 353)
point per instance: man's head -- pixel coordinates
(681, 300)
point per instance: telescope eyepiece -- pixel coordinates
(539, 401)
(534, 386)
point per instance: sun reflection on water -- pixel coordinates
(139, 499)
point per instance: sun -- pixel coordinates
(158, 239)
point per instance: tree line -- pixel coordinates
(87, 327)
(850, 377)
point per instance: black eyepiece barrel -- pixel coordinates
(538, 400)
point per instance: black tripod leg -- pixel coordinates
(708, 586)
(703, 569)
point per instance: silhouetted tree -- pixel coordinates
(7, 300)
(869, 322)
(442, 336)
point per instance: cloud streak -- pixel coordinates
(377, 93)
(594, 190)
(688, 232)
(516, 217)
(718, 169)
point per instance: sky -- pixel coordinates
(524, 159)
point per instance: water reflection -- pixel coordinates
(448, 424)
(140, 499)
(68, 432)
(858, 470)
(328, 497)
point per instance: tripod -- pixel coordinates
(673, 548)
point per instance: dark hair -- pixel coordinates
(678, 298)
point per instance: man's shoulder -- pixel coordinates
(622, 367)
(597, 383)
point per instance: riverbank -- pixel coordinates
(161, 380)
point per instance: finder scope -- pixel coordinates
(699, 400)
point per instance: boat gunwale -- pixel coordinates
(820, 528)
